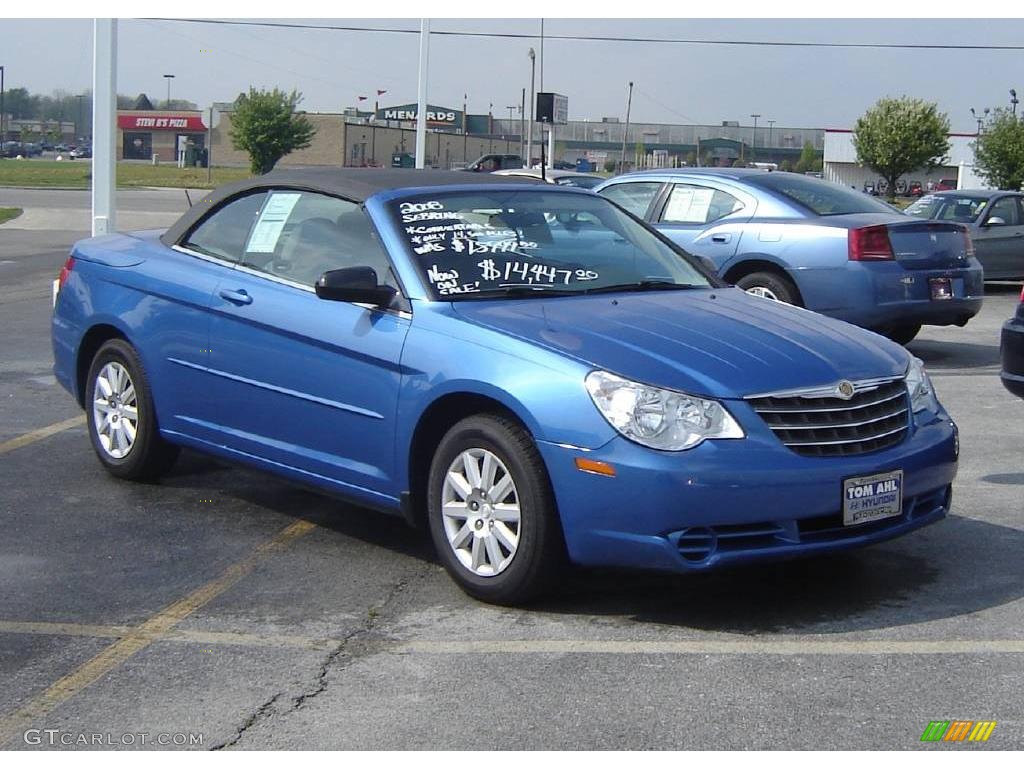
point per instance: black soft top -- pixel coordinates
(355, 184)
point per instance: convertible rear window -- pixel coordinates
(527, 242)
(823, 198)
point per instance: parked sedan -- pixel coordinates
(555, 176)
(804, 241)
(524, 369)
(996, 221)
(1011, 350)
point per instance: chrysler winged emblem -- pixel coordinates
(845, 389)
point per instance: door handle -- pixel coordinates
(725, 237)
(238, 297)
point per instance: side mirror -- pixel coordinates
(357, 285)
(994, 221)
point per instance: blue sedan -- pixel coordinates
(804, 241)
(526, 370)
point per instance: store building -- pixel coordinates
(145, 134)
(841, 166)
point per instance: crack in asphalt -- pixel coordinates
(374, 616)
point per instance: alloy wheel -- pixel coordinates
(115, 410)
(481, 513)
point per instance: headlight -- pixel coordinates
(659, 418)
(919, 387)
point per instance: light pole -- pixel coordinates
(490, 127)
(753, 141)
(1014, 101)
(771, 124)
(465, 132)
(625, 132)
(980, 118)
(78, 125)
(508, 133)
(168, 78)
(3, 133)
(529, 137)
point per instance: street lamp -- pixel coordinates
(79, 125)
(508, 129)
(3, 134)
(168, 78)
(753, 140)
(529, 136)
(980, 119)
(771, 124)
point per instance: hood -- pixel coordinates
(722, 343)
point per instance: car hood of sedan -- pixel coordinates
(723, 342)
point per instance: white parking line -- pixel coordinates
(808, 647)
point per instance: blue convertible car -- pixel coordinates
(529, 371)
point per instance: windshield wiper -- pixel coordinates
(645, 285)
(518, 292)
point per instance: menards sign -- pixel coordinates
(435, 115)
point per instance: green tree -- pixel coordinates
(897, 136)
(999, 151)
(786, 165)
(807, 157)
(691, 158)
(267, 127)
(609, 165)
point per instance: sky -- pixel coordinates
(678, 83)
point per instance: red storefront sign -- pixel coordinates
(160, 123)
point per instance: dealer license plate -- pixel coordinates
(941, 287)
(873, 497)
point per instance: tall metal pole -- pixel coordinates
(771, 124)
(167, 104)
(522, 122)
(529, 137)
(209, 148)
(625, 132)
(104, 120)
(465, 133)
(753, 141)
(421, 100)
(3, 133)
(79, 125)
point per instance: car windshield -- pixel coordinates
(822, 197)
(528, 242)
(960, 208)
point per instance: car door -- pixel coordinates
(302, 382)
(704, 220)
(999, 239)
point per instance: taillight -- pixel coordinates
(65, 272)
(968, 244)
(870, 244)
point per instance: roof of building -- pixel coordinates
(355, 184)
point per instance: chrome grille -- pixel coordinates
(816, 423)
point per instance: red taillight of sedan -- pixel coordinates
(968, 244)
(65, 272)
(870, 244)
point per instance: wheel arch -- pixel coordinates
(435, 420)
(94, 338)
(750, 265)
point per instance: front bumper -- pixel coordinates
(1011, 350)
(733, 501)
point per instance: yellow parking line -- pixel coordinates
(40, 434)
(196, 636)
(153, 629)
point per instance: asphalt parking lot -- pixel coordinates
(231, 608)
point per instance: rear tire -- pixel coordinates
(492, 513)
(903, 334)
(121, 418)
(770, 285)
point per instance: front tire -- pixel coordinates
(121, 418)
(492, 513)
(770, 285)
